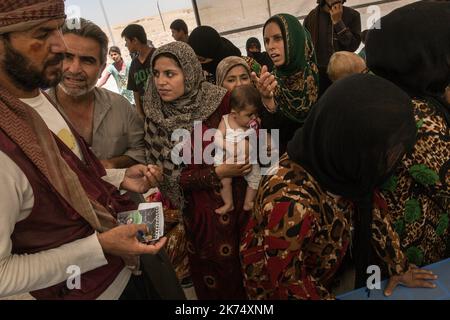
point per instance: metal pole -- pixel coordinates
(160, 15)
(243, 10)
(269, 8)
(108, 25)
(197, 14)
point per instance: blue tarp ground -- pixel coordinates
(442, 291)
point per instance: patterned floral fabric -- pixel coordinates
(253, 64)
(299, 234)
(419, 194)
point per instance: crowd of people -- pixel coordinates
(283, 174)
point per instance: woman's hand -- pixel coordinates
(266, 85)
(413, 278)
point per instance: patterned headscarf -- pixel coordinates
(21, 15)
(298, 78)
(226, 65)
(198, 103)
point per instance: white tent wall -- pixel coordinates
(230, 15)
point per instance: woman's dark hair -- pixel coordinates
(179, 25)
(135, 31)
(243, 96)
(166, 55)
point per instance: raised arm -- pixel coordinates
(104, 79)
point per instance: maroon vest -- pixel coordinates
(53, 222)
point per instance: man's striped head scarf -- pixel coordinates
(22, 15)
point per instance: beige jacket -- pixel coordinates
(118, 129)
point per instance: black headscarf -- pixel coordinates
(412, 49)
(250, 42)
(351, 142)
(261, 57)
(207, 43)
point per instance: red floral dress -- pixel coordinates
(212, 239)
(299, 234)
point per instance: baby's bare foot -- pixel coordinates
(248, 206)
(225, 209)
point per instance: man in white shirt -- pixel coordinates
(57, 214)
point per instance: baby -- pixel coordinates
(233, 137)
(343, 64)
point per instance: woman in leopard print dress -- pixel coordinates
(418, 194)
(324, 188)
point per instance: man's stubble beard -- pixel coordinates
(76, 92)
(26, 76)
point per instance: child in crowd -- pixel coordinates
(343, 64)
(233, 143)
